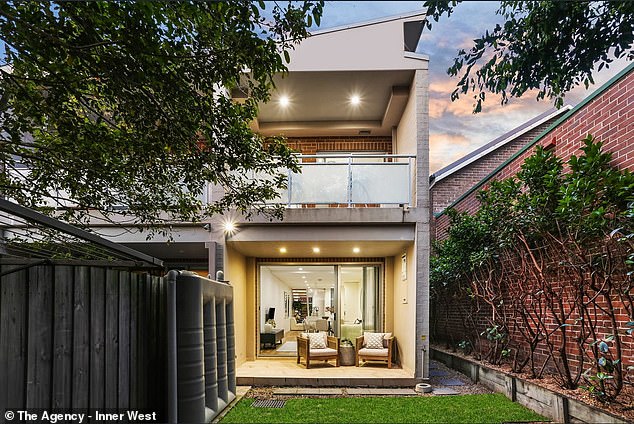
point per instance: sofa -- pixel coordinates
(296, 326)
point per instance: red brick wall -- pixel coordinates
(447, 190)
(314, 145)
(609, 117)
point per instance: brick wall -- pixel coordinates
(447, 190)
(609, 117)
(314, 145)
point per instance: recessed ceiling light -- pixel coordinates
(301, 269)
(355, 99)
(356, 250)
(284, 101)
(282, 250)
(304, 277)
(316, 250)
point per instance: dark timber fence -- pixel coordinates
(82, 337)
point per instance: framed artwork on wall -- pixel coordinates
(287, 304)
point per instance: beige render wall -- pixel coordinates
(405, 141)
(236, 273)
(404, 136)
(404, 307)
(388, 296)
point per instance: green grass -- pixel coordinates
(438, 409)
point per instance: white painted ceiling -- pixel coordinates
(315, 276)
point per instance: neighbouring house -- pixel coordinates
(450, 182)
(352, 251)
(608, 115)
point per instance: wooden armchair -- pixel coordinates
(309, 346)
(366, 352)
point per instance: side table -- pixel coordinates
(346, 355)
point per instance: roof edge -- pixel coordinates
(555, 124)
(401, 16)
(511, 135)
(416, 56)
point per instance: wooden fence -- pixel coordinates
(82, 337)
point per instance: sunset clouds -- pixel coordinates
(453, 129)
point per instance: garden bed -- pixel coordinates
(541, 395)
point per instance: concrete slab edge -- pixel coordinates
(239, 395)
(551, 404)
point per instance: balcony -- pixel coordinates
(350, 180)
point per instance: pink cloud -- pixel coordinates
(446, 148)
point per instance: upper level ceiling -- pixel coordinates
(350, 80)
(335, 103)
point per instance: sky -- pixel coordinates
(454, 130)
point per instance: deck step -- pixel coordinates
(327, 381)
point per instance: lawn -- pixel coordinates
(438, 409)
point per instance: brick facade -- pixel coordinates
(609, 117)
(314, 145)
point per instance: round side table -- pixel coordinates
(346, 355)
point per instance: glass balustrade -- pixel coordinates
(340, 179)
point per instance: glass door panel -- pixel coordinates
(358, 300)
(370, 298)
(290, 298)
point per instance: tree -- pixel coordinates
(125, 103)
(548, 46)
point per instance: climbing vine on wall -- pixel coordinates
(543, 272)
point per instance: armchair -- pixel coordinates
(317, 346)
(374, 347)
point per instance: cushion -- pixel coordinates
(317, 341)
(387, 336)
(371, 352)
(322, 352)
(373, 340)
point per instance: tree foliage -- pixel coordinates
(125, 103)
(547, 262)
(547, 46)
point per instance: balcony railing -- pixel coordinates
(350, 180)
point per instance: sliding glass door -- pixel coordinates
(359, 306)
(341, 299)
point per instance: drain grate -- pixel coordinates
(268, 403)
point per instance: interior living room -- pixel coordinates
(342, 300)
